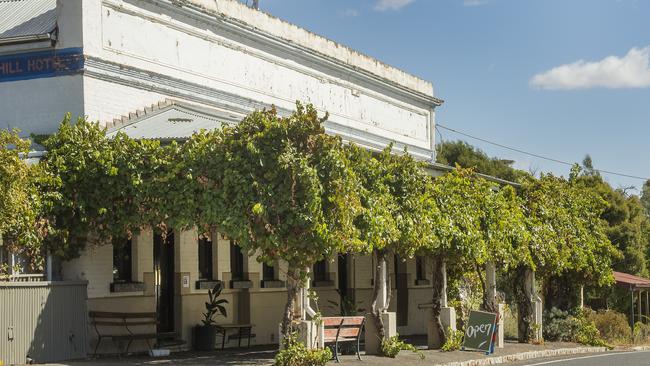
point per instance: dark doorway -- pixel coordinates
(343, 277)
(163, 263)
(345, 298)
(402, 292)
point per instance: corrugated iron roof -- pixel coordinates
(170, 120)
(626, 279)
(20, 18)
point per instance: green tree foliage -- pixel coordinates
(504, 234)
(458, 233)
(20, 206)
(627, 222)
(645, 197)
(281, 187)
(479, 222)
(568, 241)
(99, 188)
(645, 200)
(397, 216)
(460, 153)
(285, 190)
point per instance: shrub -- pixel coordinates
(557, 325)
(295, 353)
(612, 325)
(454, 340)
(585, 332)
(562, 326)
(641, 332)
(392, 346)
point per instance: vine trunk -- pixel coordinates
(293, 282)
(438, 282)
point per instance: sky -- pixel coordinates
(558, 78)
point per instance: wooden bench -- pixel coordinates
(126, 321)
(343, 329)
(242, 331)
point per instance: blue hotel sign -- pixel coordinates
(43, 64)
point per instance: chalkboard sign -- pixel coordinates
(479, 331)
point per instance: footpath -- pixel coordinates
(511, 352)
(259, 356)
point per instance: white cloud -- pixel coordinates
(474, 2)
(347, 13)
(384, 5)
(629, 71)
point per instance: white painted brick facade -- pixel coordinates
(141, 52)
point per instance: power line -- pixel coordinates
(536, 155)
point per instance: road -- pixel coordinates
(641, 358)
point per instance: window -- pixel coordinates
(236, 262)
(205, 259)
(122, 260)
(420, 268)
(320, 271)
(268, 272)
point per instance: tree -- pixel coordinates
(280, 187)
(20, 227)
(460, 153)
(645, 197)
(626, 219)
(396, 216)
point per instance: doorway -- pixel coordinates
(163, 262)
(344, 294)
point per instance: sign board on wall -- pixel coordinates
(479, 331)
(42, 64)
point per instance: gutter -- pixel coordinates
(52, 35)
(29, 38)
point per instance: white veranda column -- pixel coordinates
(491, 288)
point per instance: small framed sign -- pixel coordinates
(479, 331)
(186, 281)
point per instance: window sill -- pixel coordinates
(127, 287)
(239, 284)
(328, 283)
(273, 284)
(422, 282)
(206, 284)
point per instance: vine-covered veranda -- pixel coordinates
(285, 190)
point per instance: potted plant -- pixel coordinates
(205, 334)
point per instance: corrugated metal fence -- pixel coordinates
(43, 321)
